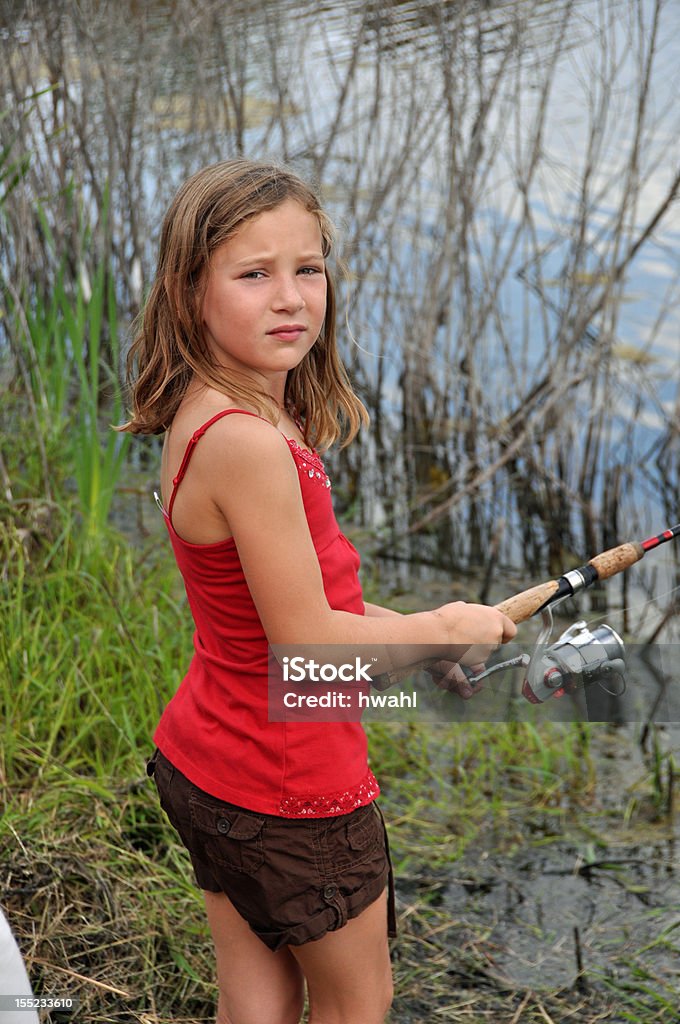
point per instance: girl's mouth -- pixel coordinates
(287, 332)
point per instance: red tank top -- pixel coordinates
(215, 729)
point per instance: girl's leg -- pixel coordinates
(256, 986)
(348, 972)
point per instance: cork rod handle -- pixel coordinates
(616, 559)
(522, 606)
(525, 604)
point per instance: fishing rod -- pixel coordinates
(580, 655)
(529, 602)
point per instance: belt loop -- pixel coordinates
(335, 899)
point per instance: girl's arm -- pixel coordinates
(377, 611)
(447, 675)
(244, 466)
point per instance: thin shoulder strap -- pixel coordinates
(189, 451)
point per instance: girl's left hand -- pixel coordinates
(449, 675)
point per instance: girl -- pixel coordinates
(236, 362)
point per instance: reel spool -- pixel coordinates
(579, 657)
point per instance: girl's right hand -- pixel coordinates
(474, 631)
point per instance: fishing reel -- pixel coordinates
(579, 657)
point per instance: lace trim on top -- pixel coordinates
(310, 463)
(328, 806)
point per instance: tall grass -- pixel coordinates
(66, 339)
(89, 653)
(98, 462)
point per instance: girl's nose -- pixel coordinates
(288, 295)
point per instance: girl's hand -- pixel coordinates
(448, 675)
(475, 631)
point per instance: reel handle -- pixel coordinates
(525, 604)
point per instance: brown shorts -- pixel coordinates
(292, 879)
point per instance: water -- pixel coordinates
(426, 125)
(606, 867)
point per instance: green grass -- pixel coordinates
(89, 653)
(63, 336)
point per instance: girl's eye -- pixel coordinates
(310, 270)
(253, 275)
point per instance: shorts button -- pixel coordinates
(223, 826)
(329, 891)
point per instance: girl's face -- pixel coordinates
(265, 297)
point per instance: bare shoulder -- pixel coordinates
(235, 455)
(243, 443)
(227, 431)
(239, 464)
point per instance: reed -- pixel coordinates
(62, 345)
(72, 385)
(98, 452)
(506, 374)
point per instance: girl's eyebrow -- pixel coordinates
(269, 257)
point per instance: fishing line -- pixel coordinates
(636, 608)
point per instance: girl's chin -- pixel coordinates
(269, 371)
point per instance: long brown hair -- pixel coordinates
(170, 348)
